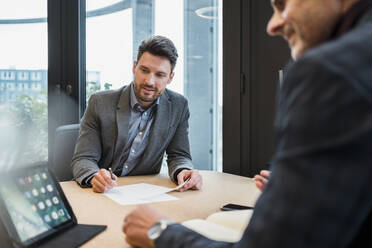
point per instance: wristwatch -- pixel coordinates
(156, 230)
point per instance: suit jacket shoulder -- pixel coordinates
(350, 56)
(108, 98)
(175, 97)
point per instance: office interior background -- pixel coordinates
(54, 54)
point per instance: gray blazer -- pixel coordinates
(104, 130)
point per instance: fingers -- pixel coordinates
(180, 177)
(129, 241)
(259, 185)
(199, 184)
(127, 223)
(97, 186)
(260, 179)
(265, 173)
(195, 180)
(260, 182)
(102, 181)
(106, 176)
(137, 223)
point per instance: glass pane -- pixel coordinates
(195, 27)
(23, 82)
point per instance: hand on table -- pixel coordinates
(138, 222)
(102, 181)
(195, 182)
(262, 179)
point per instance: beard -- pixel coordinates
(139, 90)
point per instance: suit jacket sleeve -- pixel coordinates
(88, 146)
(179, 236)
(178, 150)
(320, 190)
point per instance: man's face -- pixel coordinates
(304, 23)
(151, 76)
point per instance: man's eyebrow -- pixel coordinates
(147, 68)
(143, 67)
(161, 73)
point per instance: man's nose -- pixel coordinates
(275, 25)
(150, 79)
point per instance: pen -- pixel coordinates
(112, 177)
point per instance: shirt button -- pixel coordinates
(140, 133)
(133, 150)
(126, 166)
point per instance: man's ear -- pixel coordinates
(134, 67)
(170, 78)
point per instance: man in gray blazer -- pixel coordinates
(129, 130)
(319, 193)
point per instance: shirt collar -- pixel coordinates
(351, 17)
(134, 101)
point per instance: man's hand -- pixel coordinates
(138, 222)
(262, 179)
(102, 181)
(195, 182)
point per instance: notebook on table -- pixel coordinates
(34, 211)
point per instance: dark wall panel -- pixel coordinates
(262, 57)
(231, 85)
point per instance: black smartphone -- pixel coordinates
(230, 207)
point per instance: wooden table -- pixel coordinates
(218, 189)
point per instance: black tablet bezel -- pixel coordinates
(4, 214)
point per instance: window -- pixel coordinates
(35, 76)
(11, 75)
(23, 48)
(7, 75)
(22, 75)
(196, 29)
(10, 86)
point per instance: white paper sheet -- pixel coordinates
(140, 193)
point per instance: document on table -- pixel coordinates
(140, 193)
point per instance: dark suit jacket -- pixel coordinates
(320, 191)
(104, 130)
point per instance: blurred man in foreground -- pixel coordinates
(319, 193)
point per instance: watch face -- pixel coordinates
(155, 231)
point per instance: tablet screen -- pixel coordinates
(33, 203)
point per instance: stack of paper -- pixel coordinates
(140, 193)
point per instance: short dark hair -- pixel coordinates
(159, 46)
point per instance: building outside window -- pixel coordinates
(23, 112)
